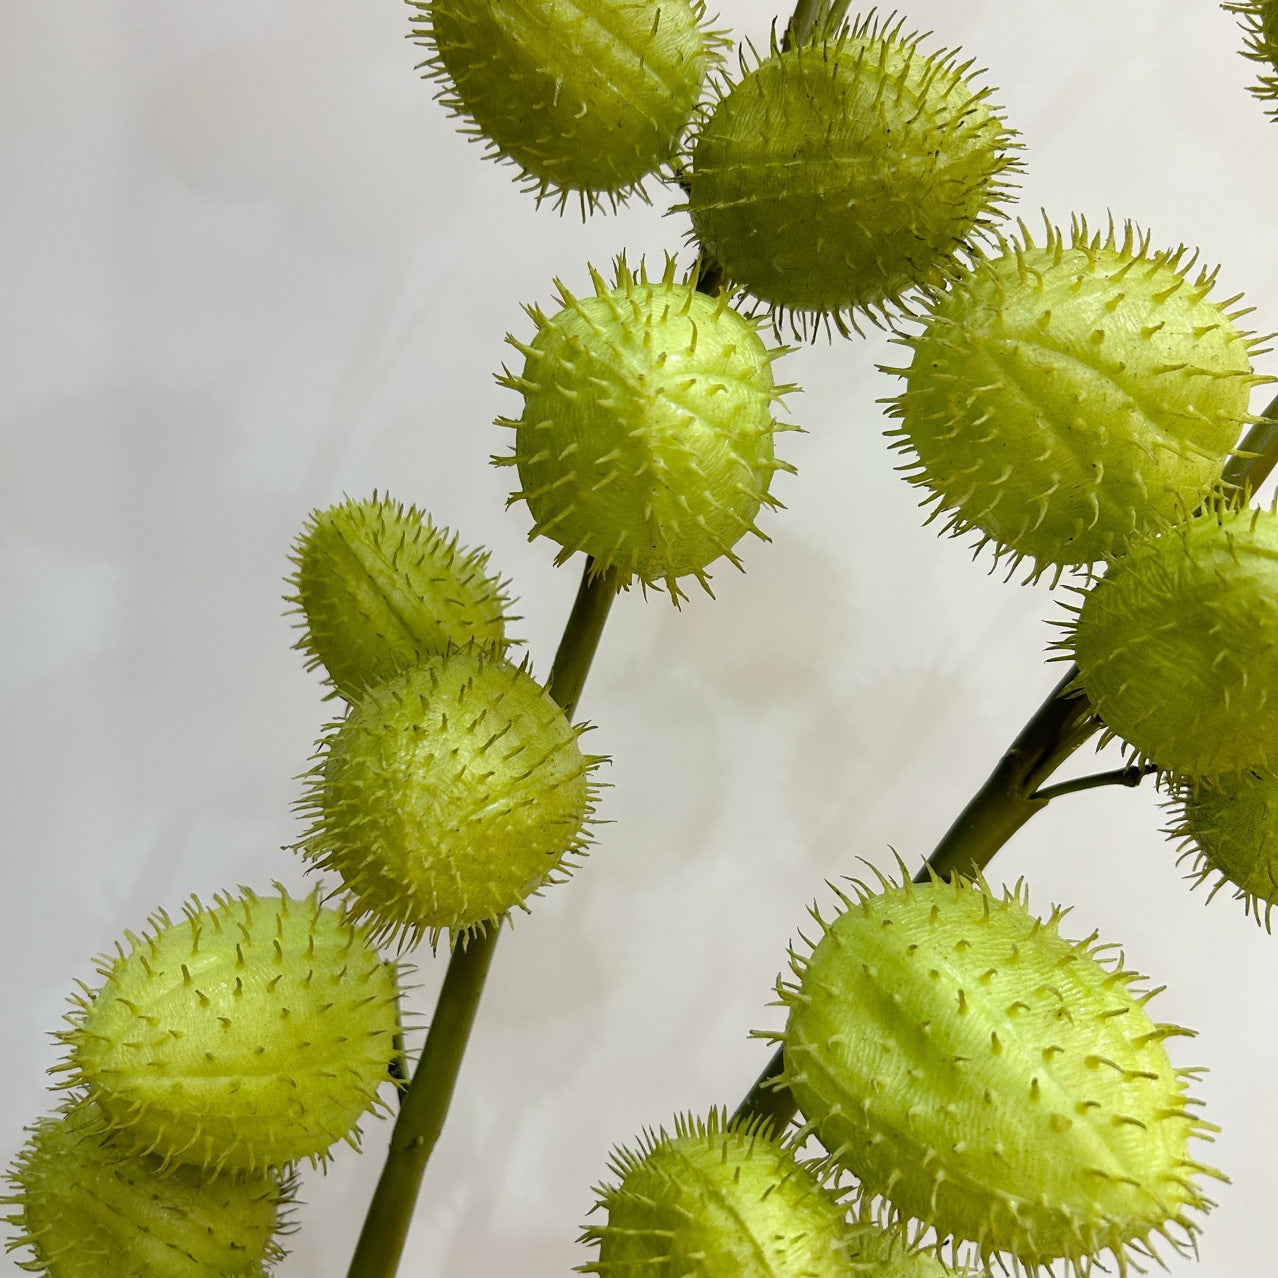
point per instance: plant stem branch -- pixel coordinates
(426, 1100)
(1130, 777)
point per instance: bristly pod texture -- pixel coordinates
(585, 96)
(646, 438)
(978, 1072)
(1230, 828)
(1177, 645)
(380, 588)
(724, 1201)
(243, 1036)
(1063, 394)
(447, 796)
(835, 177)
(85, 1210)
(1259, 21)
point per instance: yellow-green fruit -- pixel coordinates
(244, 1036)
(1231, 828)
(717, 1202)
(838, 175)
(380, 588)
(86, 1210)
(1177, 645)
(1062, 395)
(646, 438)
(979, 1072)
(583, 95)
(447, 796)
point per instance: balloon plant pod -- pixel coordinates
(982, 1075)
(245, 1035)
(1061, 395)
(646, 437)
(729, 1201)
(1177, 644)
(835, 177)
(586, 97)
(87, 1210)
(448, 796)
(1229, 828)
(380, 588)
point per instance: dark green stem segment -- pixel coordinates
(425, 1102)
(1257, 455)
(1014, 791)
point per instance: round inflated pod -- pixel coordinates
(380, 588)
(245, 1035)
(646, 437)
(584, 96)
(834, 177)
(1063, 394)
(448, 796)
(980, 1073)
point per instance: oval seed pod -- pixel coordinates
(244, 1036)
(85, 1210)
(447, 796)
(587, 96)
(979, 1072)
(838, 175)
(1062, 395)
(1231, 830)
(646, 438)
(380, 588)
(1177, 645)
(720, 1202)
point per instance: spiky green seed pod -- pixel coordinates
(1177, 645)
(1061, 395)
(1259, 21)
(448, 796)
(380, 588)
(247, 1035)
(1231, 830)
(982, 1074)
(85, 1210)
(718, 1202)
(838, 175)
(646, 438)
(583, 96)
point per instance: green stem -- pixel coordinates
(1130, 777)
(1257, 455)
(806, 13)
(426, 1100)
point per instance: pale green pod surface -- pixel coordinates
(583, 95)
(380, 588)
(1177, 645)
(1063, 395)
(979, 1072)
(838, 175)
(86, 1210)
(448, 796)
(646, 438)
(718, 1202)
(246, 1035)
(1231, 829)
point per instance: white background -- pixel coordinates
(247, 266)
